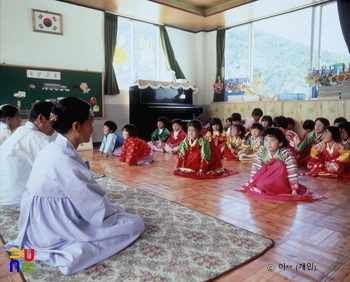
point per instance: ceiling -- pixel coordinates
(197, 15)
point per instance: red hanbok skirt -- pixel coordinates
(329, 169)
(271, 182)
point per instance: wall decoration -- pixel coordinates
(17, 84)
(48, 22)
(44, 74)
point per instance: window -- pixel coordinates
(281, 51)
(138, 54)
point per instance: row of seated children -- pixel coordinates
(325, 150)
(267, 159)
(130, 149)
(164, 141)
(200, 154)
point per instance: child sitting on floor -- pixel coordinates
(112, 142)
(344, 128)
(135, 151)
(328, 157)
(235, 142)
(176, 137)
(266, 121)
(252, 144)
(195, 154)
(217, 140)
(292, 137)
(160, 135)
(257, 113)
(308, 126)
(339, 120)
(236, 118)
(228, 123)
(194, 151)
(274, 171)
(310, 140)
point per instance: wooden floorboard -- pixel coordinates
(315, 233)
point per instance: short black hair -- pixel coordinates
(323, 120)
(40, 108)
(111, 125)
(177, 120)
(267, 118)
(339, 120)
(197, 124)
(257, 112)
(131, 129)
(229, 119)
(334, 130)
(257, 125)
(164, 120)
(290, 121)
(216, 121)
(280, 121)
(345, 126)
(309, 124)
(236, 117)
(68, 111)
(277, 133)
(240, 128)
(6, 111)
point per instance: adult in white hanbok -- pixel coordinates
(65, 215)
(19, 151)
(10, 119)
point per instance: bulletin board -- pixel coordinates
(22, 86)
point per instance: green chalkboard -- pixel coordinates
(23, 85)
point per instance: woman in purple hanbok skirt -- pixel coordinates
(65, 215)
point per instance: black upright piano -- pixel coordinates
(151, 99)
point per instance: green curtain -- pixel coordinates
(111, 28)
(169, 55)
(344, 12)
(220, 62)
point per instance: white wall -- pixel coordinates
(82, 48)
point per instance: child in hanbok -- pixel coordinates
(228, 122)
(274, 171)
(217, 140)
(195, 154)
(112, 142)
(236, 118)
(292, 137)
(308, 126)
(339, 120)
(310, 140)
(10, 119)
(176, 137)
(79, 226)
(235, 142)
(160, 135)
(135, 151)
(266, 121)
(344, 128)
(257, 113)
(252, 144)
(328, 157)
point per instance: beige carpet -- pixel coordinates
(179, 244)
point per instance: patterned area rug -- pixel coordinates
(96, 175)
(179, 244)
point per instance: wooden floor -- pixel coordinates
(314, 234)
